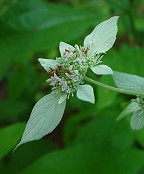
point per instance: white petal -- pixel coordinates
(102, 70)
(86, 93)
(63, 98)
(47, 63)
(64, 46)
(103, 36)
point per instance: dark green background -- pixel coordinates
(88, 140)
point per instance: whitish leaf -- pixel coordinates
(63, 98)
(45, 116)
(86, 93)
(47, 63)
(64, 46)
(102, 70)
(128, 110)
(103, 36)
(129, 82)
(137, 120)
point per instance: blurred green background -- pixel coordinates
(88, 139)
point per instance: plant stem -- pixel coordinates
(128, 92)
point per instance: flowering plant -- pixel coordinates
(67, 76)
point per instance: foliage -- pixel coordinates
(88, 139)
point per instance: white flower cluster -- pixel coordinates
(67, 72)
(71, 69)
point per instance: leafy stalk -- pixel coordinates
(123, 91)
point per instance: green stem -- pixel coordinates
(113, 88)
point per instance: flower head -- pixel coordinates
(67, 72)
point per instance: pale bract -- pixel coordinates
(103, 36)
(132, 107)
(44, 117)
(102, 70)
(86, 93)
(137, 120)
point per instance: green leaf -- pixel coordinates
(15, 109)
(33, 25)
(104, 129)
(45, 116)
(105, 97)
(88, 158)
(129, 82)
(9, 137)
(128, 110)
(137, 120)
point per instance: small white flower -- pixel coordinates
(72, 77)
(53, 80)
(64, 86)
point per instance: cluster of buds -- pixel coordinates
(140, 101)
(71, 68)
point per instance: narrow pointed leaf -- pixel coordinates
(64, 46)
(47, 63)
(129, 82)
(45, 116)
(102, 70)
(86, 93)
(103, 36)
(137, 120)
(132, 107)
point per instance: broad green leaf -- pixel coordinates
(64, 46)
(15, 109)
(86, 93)
(104, 129)
(102, 70)
(129, 82)
(47, 63)
(45, 116)
(73, 124)
(103, 36)
(128, 110)
(127, 59)
(9, 137)
(88, 158)
(105, 97)
(101, 145)
(137, 120)
(33, 25)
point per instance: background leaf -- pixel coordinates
(31, 26)
(7, 143)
